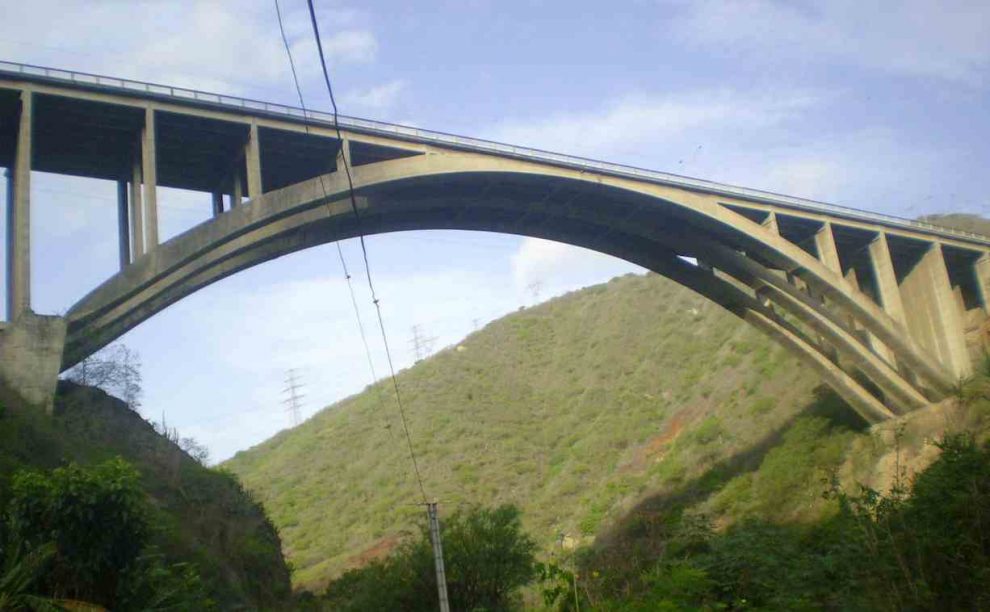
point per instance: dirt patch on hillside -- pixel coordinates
(379, 550)
(654, 448)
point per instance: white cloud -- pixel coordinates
(378, 98)
(544, 268)
(351, 46)
(945, 40)
(232, 48)
(630, 122)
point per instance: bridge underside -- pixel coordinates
(880, 310)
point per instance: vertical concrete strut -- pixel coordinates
(982, 270)
(252, 160)
(933, 317)
(236, 193)
(828, 254)
(19, 216)
(886, 279)
(149, 170)
(123, 231)
(137, 208)
(217, 203)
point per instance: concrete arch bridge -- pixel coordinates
(879, 306)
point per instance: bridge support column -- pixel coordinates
(236, 193)
(828, 254)
(123, 229)
(31, 357)
(149, 172)
(933, 317)
(982, 270)
(19, 216)
(252, 162)
(886, 279)
(137, 209)
(217, 203)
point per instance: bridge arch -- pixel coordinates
(741, 265)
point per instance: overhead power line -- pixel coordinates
(340, 252)
(357, 222)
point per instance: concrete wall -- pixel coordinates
(31, 357)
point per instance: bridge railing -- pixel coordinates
(467, 143)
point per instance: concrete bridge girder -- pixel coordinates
(231, 243)
(756, 265)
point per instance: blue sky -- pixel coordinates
(876, 105)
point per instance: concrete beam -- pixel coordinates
(137, 209)
(19, 216)
(252, 160)
(123, 231)
(886, 279)
(149, 171)
(828, 254)
(932, 314)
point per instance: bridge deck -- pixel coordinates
(245, 106)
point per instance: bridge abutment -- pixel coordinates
(31, 356)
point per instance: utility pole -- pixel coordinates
(431, 513)
(294, 399)
(422, 344)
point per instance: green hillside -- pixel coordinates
(574, 410)
(201, 516)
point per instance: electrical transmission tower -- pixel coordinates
(422, 344)
(535, 288)
(293, 400)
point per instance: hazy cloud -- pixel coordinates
(945, 40)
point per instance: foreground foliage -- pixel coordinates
(83, 534)
(488, 558)
(926, 547)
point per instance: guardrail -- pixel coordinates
(473, 144)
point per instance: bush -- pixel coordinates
(487, 558)
(96, 522)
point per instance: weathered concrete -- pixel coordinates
(149, 172)
(19, 216)
(123, 231)
(217, 198)
(252, 162)
(932, 314)
(982, 270)
(137, 208)
(410, 179)
(886, 279)
(31, 356)
(825, 245)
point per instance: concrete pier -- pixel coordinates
(149, 171)
(19, 215)
(31, 357)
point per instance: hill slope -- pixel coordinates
(202, 516)
(573, 410)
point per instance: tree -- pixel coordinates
(96, 519)
(115, 369)
(487, 557)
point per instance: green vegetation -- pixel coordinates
(488, 557)
(87, 533)
(201, 526)
(918, 549)
(967, 223)
(573, 411)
